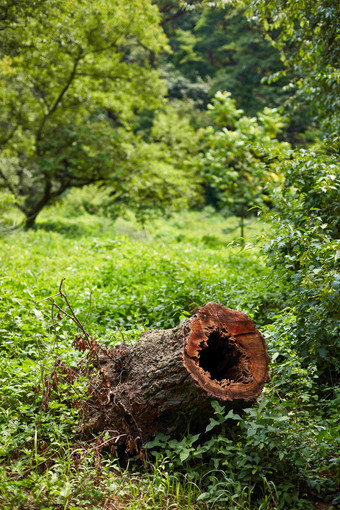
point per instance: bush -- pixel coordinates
(305, 253)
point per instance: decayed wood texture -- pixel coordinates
(169, 377)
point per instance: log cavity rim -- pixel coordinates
(223, 359)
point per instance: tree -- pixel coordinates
(307, 35)
(304, 242)
(71, 81)
(166, 381)
(166, 165)
(159, 172)
(241, 156)
(217, 48)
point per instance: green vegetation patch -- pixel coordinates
(121, 279)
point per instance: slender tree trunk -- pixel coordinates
(242, 222)
(30, 219)
(168, 379)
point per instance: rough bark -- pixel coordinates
(168, 379)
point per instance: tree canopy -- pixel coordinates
(217, 48)
(240, 160)
(71, 81)
(307, 35)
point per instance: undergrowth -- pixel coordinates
(122, 279)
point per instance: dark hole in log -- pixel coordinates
(222, 359)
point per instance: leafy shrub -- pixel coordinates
(304, 251)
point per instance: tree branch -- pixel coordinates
(176, 15)
(59, 98)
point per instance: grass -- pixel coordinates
(122, 278)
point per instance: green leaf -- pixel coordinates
(232, 416)
(213, 423)
(184, 455)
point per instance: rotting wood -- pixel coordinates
(168, 379)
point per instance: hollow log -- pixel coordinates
(168, 379)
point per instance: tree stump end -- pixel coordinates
(225, 353)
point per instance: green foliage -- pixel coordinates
(71, 82)
(82, 107)
(307, 34)
(241, 156)
(163, 174)
(267, 456)
(217, 48)
(14, 14)
(305, 252)
(39, 451)
(44, 465)
(6, 201)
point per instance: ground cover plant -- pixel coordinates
(279, 454)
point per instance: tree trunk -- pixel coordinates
(30, 220)
(167, 380)
(242, 222)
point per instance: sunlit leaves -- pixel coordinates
(241, 155)
(72, 82)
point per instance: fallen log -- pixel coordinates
(169, 377)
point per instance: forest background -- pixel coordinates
(159, 155)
